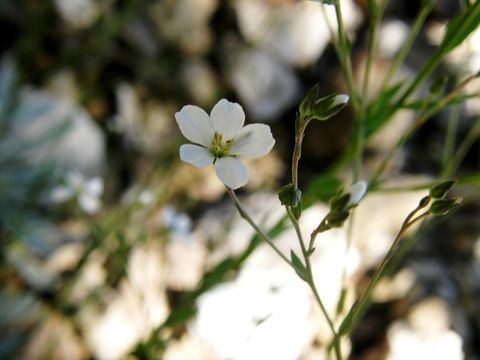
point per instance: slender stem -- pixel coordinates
(449, 144)
(297, 149)
(459, 155)
(407, 44)
(361, 117)
(359, 306)
(424, 115)
(319, 229)
(311, 283)
(344, 56)
(372, 39)
(244, 214)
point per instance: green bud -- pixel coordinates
(289, 195)
(440, 190)
(424, 202)
(443, 206)
(321, 108)
(339, 202)
(336, 219)
(297, 210)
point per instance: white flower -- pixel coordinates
(87, 191)
(222, 139)
(357, 192)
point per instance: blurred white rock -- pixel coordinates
(52, 129)
(78, 13)
(185, 262)
(189, 348)
(295, 32)
(137, 308)
(265, 86)
(65, 257)
(64, 85)
(425, 335)
(263, 314)
(378, 219)
(200, 81)
(391, 36)
(267, 306)
(185, 22)
(55, 338)
(389, 289)
(91, 277)
(464, 59)
(142, 124)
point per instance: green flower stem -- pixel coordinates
(311, 283)
(362, 116)
(319, 229)
(459, 155)
(449, 144)
(424, 115)
(300, 127)
(359, 307)
(360, 130)
(407, 44)
(244, 214)
(372, 40)
(344, 55)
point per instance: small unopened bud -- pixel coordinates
(339, 202)
(439, 191)
(443, 206)
(321, 108)
(289, 195)
(424, 202)
(337, 219)
(357, 192)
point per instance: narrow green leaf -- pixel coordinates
(347, 322)
(372, 8)
(341, 301)
(297, 264)
(377, 113)
(462, 25)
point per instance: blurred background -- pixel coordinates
(114, 249)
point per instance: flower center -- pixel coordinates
(219, 148)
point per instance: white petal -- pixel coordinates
(356, 191)
(231, 172)
(75, 180)
(196, 155)
(227, 118)
(253, 141)
(94, 186)
(340, 99)
(89, 204)
(61, 194)
(195, 125)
